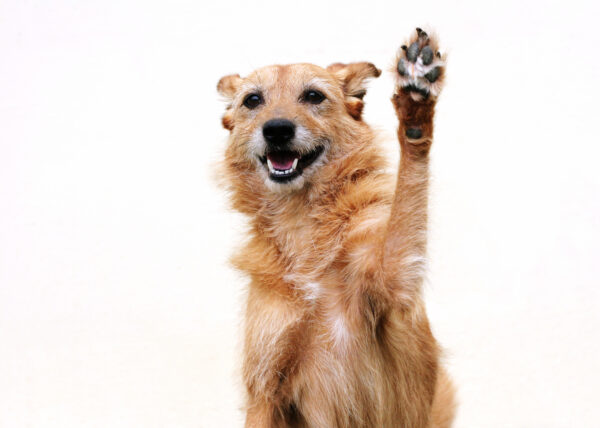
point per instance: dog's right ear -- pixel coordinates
(228, 87)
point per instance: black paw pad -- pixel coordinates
(412, 52)
(401, 68)
(414, 88)
(427, 55)
(434, 74)
(414, 133)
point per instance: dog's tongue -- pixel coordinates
(282, 160)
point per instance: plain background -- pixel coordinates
(117, 306)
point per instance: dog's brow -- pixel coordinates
(317, 82)
(249, 87)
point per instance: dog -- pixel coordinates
(336, 333)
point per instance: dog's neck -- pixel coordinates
(304, 227)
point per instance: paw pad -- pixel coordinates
(412, 52)
(414, 133)
(427, 55)
(433, 75)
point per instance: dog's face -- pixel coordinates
(286, 122)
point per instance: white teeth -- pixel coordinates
(279, 172)
(274, 171)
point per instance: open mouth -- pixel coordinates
(285, 165)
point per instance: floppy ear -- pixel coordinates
(353, 78)
(228, 87)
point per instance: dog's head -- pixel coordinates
(286, 122)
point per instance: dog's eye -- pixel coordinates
(313, 96)
(253, 101)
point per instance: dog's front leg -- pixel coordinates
(419, 76)
(260, 415)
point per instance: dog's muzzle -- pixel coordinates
(284, 163)
(278, 133)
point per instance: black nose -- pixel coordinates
(279, 131)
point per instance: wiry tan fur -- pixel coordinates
(336, 333)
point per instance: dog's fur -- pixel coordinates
(336, 333)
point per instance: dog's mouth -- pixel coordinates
(285, 165)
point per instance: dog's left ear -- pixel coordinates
(353, 78)
(228, 87)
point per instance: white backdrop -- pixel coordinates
(117, 307)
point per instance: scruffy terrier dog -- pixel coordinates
(336, 333)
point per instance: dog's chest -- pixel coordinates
(306, 242)
(317, 323)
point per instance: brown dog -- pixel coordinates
(336, 333)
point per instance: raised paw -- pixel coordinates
(420, 67)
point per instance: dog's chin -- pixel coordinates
(288, 170)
